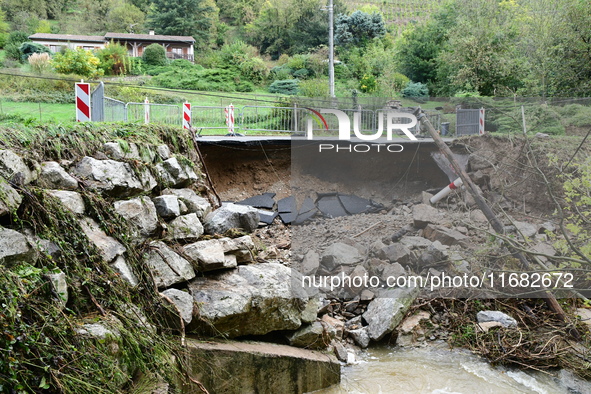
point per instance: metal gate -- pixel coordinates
(97, 113)
(469, 122)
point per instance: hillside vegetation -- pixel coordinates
(393, 48)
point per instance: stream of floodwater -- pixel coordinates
(439, 370)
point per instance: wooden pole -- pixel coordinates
(481, 202)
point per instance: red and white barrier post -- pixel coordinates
(447, 190)
(230, 118)
(481, 122)
(187, 116)
(146, 111)
(82, 102)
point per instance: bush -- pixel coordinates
(286, 86)
(314, 88)
(368, 84)
(155, 55)
(79, 61)
(28, 48)
(40, 62)
(391, 83)
(282, 72)
(302, 73)
(415, 90)
(254, 69)
(199, 79)
(114, 59)
(13, 43)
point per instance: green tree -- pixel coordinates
(481, 52)
(125, 18)
(28, 48)
(4, 28)
(13, 44)
(181, 18)
(359, 28)
(293, 26)
(420, 45)
(79, 61)
(155, 55)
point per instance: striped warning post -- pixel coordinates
(230, 118)
(481, 122)
(82, 102)
(146, 111)
(187, 116)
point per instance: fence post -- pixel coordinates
(295, 117)
(146, 111)
(187, 115)
(82, 101)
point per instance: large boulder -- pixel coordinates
(114, 178)
(139, 212)
(167, 267)
(209, 255)
(250, 300)
(387, 311)
(14, 247)
(115, 151)
(167, 206)
(12, 165)
(124, 270)
(232, 216)
(186, 228)
(193, 202)
(310, 337)
(108, 247)
(176, 174)
(53, 176)
(10, 200)
(183, 302)
(72, 201)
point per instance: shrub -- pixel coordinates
(302, 73)
(78, 61)
(368, 84)
(286, 86)
(391, 82)
(114, 59)
(40, 62)
(314, 88)
(28, 48)
(254, 69)
(155, 55)
(236, 52)
(198, 79)
(415, 90)
(282, 72)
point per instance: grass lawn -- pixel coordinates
(58, 113)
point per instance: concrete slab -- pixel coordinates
(354, 204)
(264, 201)
(331, 206)
(256, 367)
(287, 204)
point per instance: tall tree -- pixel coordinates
(359, 28)
(181, 18)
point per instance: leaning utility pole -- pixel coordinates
(331, 48)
